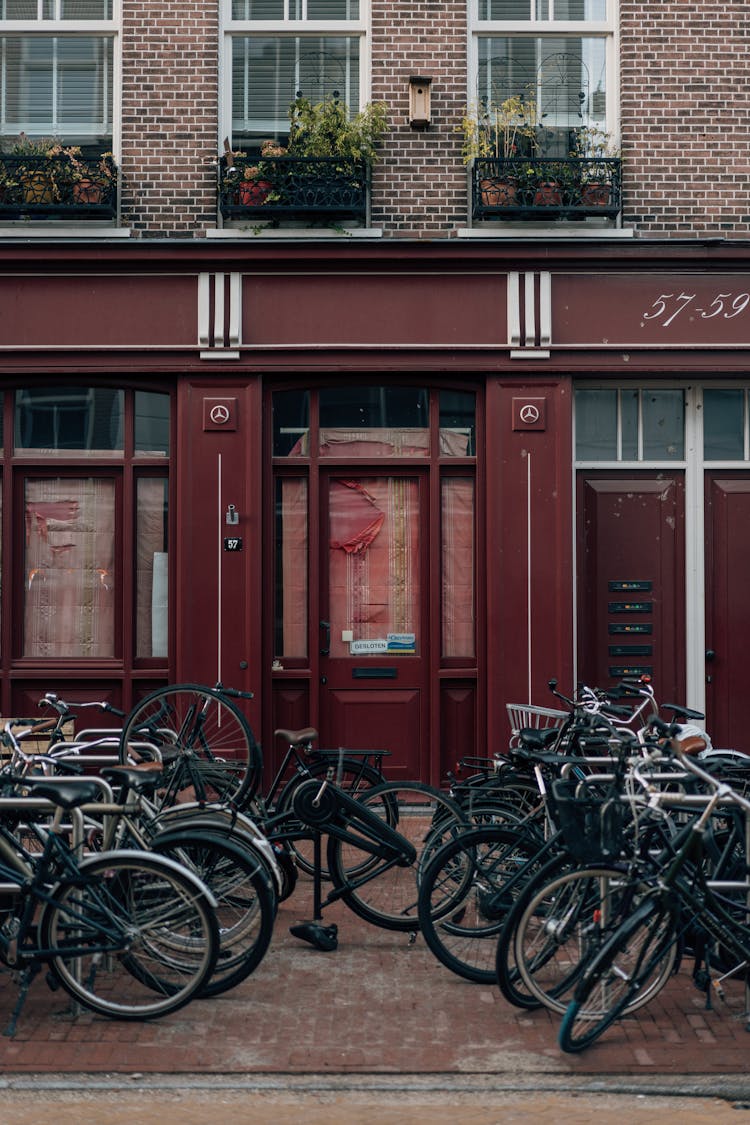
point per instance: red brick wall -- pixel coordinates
(685, 121)
(420, 184)
(169, 116)
(684, 111)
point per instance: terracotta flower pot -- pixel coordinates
(548, 195)
(251, 193)
(37, 187)
(595, 195)
(498, 193)
(87, 191)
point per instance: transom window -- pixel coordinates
(558, 54)
(629, 424)
(57, 72)
(277, 49)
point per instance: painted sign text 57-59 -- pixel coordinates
(668, 306)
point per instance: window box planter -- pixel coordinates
(57, 187)
(296, 187)
(547, 188)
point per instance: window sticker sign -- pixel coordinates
(359, 648)
(402, 642)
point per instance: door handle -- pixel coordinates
(326, 650)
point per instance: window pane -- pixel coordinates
(457, 420)
(374, 422)
(506, 9)
(152, 423)
(290, 631)
(151, 568)
(69, 576)
(565, 76)
(257, 9)
(596, 425)
(629, 425)
(18, 9)
(723, 425)
(580, 9)
(373, 564)
(86, 10)
(57, 86)
(457, 578)
(69, 418)
(269, 71)
(291, 423)
(333, 9)
(663, 425)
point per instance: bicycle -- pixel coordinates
(129, 935)
(682, 896)
(375, 849)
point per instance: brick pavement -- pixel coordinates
(377, 1006)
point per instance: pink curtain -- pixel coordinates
(294, 566)
(69, 568)
(457, 549)
(373, 559)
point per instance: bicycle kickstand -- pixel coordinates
(322, 937)
(27, 976)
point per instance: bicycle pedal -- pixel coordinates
(324, 938)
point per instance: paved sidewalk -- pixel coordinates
(375, 1006)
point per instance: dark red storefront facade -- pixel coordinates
(569, 566)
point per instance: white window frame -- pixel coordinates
(532, 28)
(291, 28)
(66, 28)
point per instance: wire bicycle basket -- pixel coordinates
(526, 716)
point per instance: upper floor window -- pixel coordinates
(277, 49)
(57, 71)
(558, 54)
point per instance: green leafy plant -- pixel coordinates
(505, 129)
(327, 129)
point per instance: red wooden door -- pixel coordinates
(727, 606)
(631, 580)
(373, 629)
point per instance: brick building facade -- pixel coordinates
(471, 440)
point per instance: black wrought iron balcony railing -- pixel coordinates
(294, 187)
(57, 187)
(544, 188)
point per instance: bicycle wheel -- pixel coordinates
(563, 924)
(246, 903)
(630, 969)
(381, 891)
(466, 891)
(206, 745)
(350, 775)
(134, 938)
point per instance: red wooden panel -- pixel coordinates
(108, 310)
(727, 607)
(458, 726)
(631, 607)
(362, 309)
(379, 719)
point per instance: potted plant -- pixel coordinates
(328, 129)
(492, 131)
(592, 146)
(34, 168)
(92, 181)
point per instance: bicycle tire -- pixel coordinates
(134, 938)
(355, 778)
(509, 980)
(387, 894)
(246, 904)
(205, 743)
(613, 983)
(462, 901)
(563, 925)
